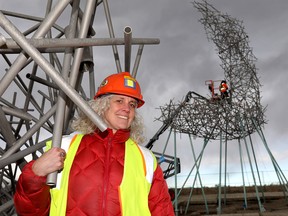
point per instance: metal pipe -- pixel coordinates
(219, 208)
(175, 166)
(92, 84)
(17, 112)
(85, 24)
(32, 18)
(35, 105)
(70, 33)
(111, 32)
(42, 81)
(57, 133)
(80, 15)
(87, 65)
(29, 97)
(127, 40)
(59, 44)
(31, 29)
(241, 124)
(199, 178)
(89, 11)
(6, 129)
(45, 96)
(61, 103)
(6, 205)
(23, 153)
(41, 31)
(242, 172)
(2, 40)
(137, 60)
(17, 145)
(48, 69)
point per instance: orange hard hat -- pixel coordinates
(121, 83)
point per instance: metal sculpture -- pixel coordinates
(207, 117)
(225, 115)
(43, 83)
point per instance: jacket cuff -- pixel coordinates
(30, 180)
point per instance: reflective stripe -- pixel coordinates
(59, 195)
(65, 144)
(134, 190)
(150, 163)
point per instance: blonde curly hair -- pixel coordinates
(84, 125)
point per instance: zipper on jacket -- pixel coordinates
(106, 175)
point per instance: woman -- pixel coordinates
(104, 173)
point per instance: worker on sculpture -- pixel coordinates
(223, 88)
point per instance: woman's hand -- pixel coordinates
(50, 161)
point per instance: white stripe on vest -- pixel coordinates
(65, 144)
(149, 162)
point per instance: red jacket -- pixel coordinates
(95, 175)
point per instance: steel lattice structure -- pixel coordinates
(204, 117)
(48, 66)
(235, 116)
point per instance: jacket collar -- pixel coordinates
(120, 135)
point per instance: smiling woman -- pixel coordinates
(102, 170)
(116, 87)
(121, 112)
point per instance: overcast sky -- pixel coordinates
(184, 59)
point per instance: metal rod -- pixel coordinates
(89, 11)
(42, 81)
(137, 59)
(29, 17)
(225, 169)
(41, 31)
(198, 160)
(17, 112)
(61, 103)
(175, 165)
(79, 42)
(219, 208)
(199, 177)
(31, 29)
(70, 34)
(241, 124)
(2, 40)
(111, 32)
(6, 205)
(23, 153)
(281, 177)
(6, 129)
(74, 75)
(257, 168)
(59, 44)
(46, 66)
(127, 40)
(29, 133)
(197, 163)
(242, 171)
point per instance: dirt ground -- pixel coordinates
(271, 200)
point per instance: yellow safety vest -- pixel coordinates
(139, 167)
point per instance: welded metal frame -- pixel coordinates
(240, 72)
(54, 61)
(235, 117)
